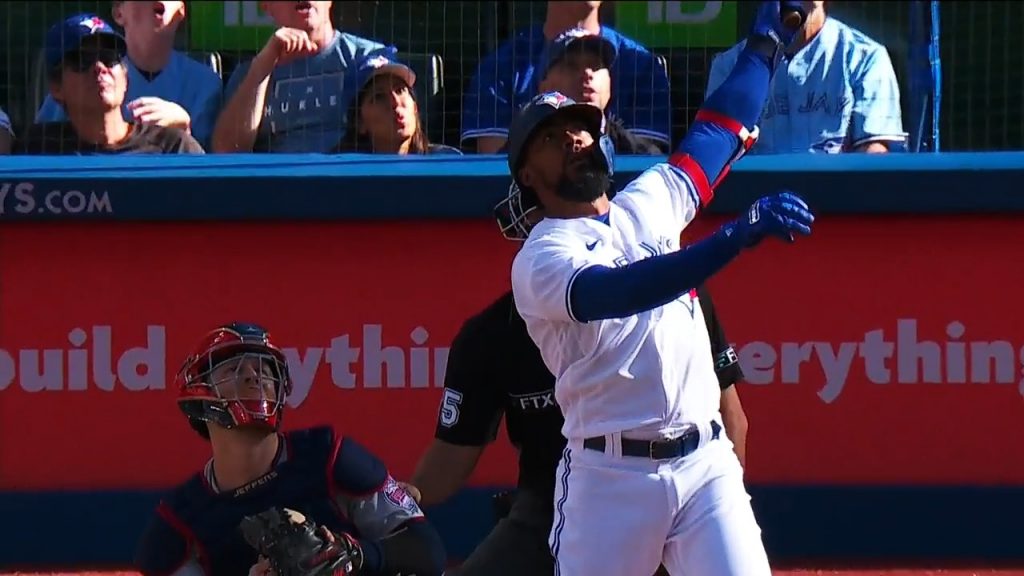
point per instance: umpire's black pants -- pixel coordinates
(518, 544)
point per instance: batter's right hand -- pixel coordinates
(290, 44)
(782, 216)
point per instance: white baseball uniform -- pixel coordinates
(646, 377)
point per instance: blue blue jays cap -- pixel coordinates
(68, 36)
(541, 109)
(384, 62)
(582, 40)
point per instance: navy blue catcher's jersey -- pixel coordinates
(334, 481)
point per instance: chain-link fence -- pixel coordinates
(982, 93)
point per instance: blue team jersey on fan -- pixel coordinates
(184, 81)
(837, 93)
(333, 481)
(307, 100)
(508, 78)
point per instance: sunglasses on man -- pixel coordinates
(85, 60)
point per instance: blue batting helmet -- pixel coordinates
(512, 211)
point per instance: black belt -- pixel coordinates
(657, 449)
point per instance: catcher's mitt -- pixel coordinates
(295, 546)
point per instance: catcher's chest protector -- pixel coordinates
(298, 483)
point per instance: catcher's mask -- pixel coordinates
(235, 378)
(513, 212)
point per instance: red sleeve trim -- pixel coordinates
(724, 121)
(168, 515)
(692, 169)
(332, 486)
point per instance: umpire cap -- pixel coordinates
(541, 109)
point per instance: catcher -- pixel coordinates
(306, 502)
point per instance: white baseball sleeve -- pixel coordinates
(543, 274)
(666, 197)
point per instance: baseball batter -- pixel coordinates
(495, 372)
(233, 391)
(608, 297)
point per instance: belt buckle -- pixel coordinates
(650, 450)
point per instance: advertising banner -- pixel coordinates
(231, 25)
(663, 24)
(884, 350)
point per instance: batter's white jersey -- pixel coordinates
(650, 374)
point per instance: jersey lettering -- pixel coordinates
(450, 407)
(664, 245)
(540, 401)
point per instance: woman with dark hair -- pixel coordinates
(384, 117)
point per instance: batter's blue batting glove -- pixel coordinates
(779, 21)
(782, 216)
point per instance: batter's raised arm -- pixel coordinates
(725, 126)
(598, 292)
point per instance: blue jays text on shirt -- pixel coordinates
(822, 105)
(823, 102)
(663, 245)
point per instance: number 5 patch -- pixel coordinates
(450, 404)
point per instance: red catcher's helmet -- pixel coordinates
(236, 377)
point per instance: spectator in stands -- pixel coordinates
(84, 59)
(579, 66)
(165, 87)
(384, 117)
(505, 80)
(6, 133)
(291, 97)
(838, 93)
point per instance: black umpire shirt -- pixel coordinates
(495, 370)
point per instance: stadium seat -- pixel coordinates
(211, 59)
(429, 69)
(38, 88)
(663, 62)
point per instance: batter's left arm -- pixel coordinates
(725, 126)
(672, 193)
